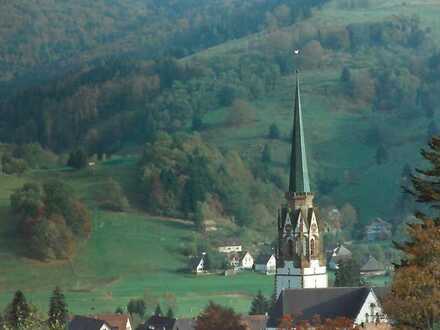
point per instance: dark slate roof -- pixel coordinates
(159, 323)
(341, 250)
(86, 323)
(262, 259)
(195, 261)
(299, 181)
(372, 265)
(381, 292)
(326, 302)
(184, 324)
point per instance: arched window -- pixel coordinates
(312, 247)
(290, 246)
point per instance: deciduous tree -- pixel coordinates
(218, 317)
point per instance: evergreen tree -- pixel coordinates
(274, 131)
(266, 156)
(77, 159)
(18, 311)
(170, 313)
(416, 278)
(58, 312)
(348, 273)
(260, 305)
(158, 310)
(119, 310)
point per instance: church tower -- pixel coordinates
(300, 256)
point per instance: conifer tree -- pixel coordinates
(58, 312)
(414, 300)
(348, 273)
(170, 313)
(260, 305)
(158, 310)
(18, 311)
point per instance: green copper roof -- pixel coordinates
(299, 181)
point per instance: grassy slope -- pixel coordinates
(128, 254)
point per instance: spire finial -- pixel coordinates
(299, 181)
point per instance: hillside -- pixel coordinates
(114, 80)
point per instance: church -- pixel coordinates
(301, 279)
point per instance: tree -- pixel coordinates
(58, 312)
(119, 310)
(111, 196)
(348, 273)
(260, 305)
(158, 310)
(170, 313)
(18, 311)
(266, 155)
(77, 159)
(417, 278)
(218, 317)
(136, 306)
(274, 131)
(381, 155)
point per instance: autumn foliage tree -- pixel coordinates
(414, 300)
(218, 317)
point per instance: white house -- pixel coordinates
(266, 264)
(116, 321)
(360, 304)
(246, 261)
(230, 246)
(197, 264)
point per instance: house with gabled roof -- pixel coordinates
(197, 264)
(359, 304)
(340, 253)
(372, 267)
(116, 321)
(88, 323)
(230, 246)
(266, 263)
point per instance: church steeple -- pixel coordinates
(299, 181)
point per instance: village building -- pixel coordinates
(246, 260)
(340, 253)
(116, 321)
(198, 264)
(266, 263)
(361, 305)
(254, 322)
(157, 322)
(377, 230)
(372, 267)
(230, 246)
(300, 259)
(88, 323)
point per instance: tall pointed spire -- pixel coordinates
(299, 181)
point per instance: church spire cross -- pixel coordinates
(299, 181)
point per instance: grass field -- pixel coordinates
(129, 255)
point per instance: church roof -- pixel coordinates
(299, 181)
(325, 302)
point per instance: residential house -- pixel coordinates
(340, 253)
(266, 263)
(246, 260)
(378, 229)
(88, 323)
(360, 304)
(198, 264)
(157, 322)
(230, 246)
(116, 321)
(372, 267)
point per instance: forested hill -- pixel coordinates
(42, 38)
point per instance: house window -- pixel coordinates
(366, 317)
